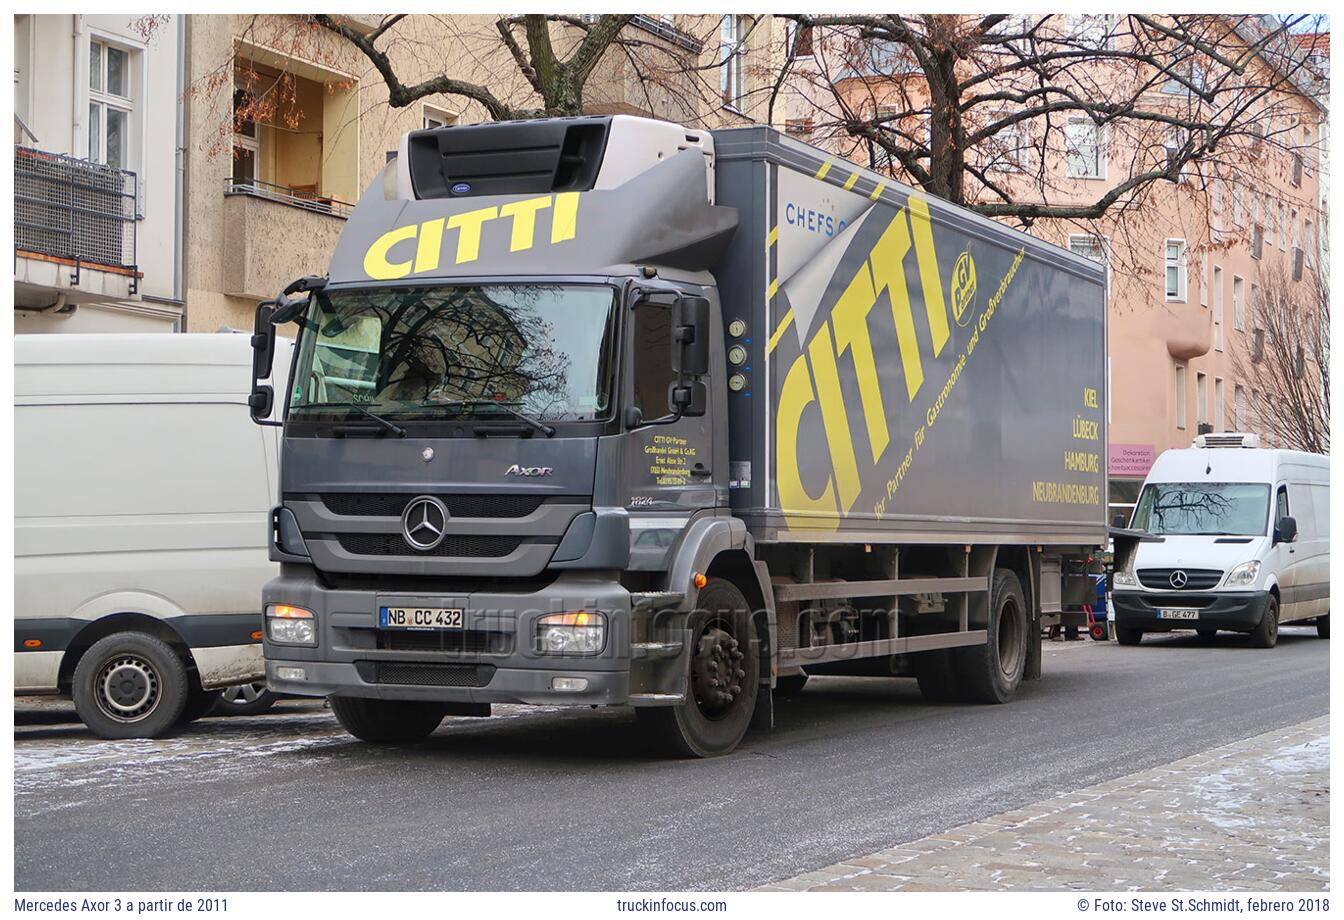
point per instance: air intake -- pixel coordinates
(514, 158)
(1228, 439)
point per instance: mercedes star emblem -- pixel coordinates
(427, 454)
(1179, 579)
(423, 522)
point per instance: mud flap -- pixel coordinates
(763, 716)
(1032, 668)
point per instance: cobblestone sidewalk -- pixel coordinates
(1250, 816)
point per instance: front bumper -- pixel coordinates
(1239, 612)
(492, 660)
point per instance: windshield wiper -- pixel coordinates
(384, 424)
(527, 420)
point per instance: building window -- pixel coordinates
(1180, 396)
(1187, 77)
(1175, 265)
(246, 143)
(1092, 31)
(110, 105)
(1203, 279)
(1309, 243)
(437, 118)
(1011, 154)
(799, 39)
(1174, 143)
(1085, 155)
(1239, 407)
(1238, 303)
(733, 59)
(1096, 248)
(1201, 398)
(1218, 307)
(798, 127)
(1281, 228)
(1218, 395)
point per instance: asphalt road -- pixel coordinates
(571, 799)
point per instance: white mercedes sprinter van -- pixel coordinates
(142, 496)
(1245, 543)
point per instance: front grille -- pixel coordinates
(416, 674)
(1179, 600)
(457, 546)
(1196, 579)
(470, 641)
(358, 504)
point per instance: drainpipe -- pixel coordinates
(179, 173)
(77, 123)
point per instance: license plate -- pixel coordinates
(420, 617)
(1178, 614)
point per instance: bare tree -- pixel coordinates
(1287, 366)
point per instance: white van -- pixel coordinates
(1246, 543)
(142, 494)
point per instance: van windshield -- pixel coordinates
(1238, 509)
(482, 351)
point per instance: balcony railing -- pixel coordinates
(296, 197)
(75, 211)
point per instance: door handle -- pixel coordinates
(701, 470)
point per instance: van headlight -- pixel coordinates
(1243, 574)
(1126, 578)
(290, 625)
(579, 633)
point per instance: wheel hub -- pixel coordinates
(716, 670)
(129, 688)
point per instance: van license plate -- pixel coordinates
(1178, 614)
(420, 617)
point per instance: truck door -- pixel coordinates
(668, 467)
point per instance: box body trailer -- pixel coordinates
(611, 412)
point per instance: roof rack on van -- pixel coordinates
(1228, 439)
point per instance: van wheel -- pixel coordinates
(199, 704)
(245, 700)
(990, 673)
(1323, 626)
(387, 721)
(936, 675)
(1126, 636)
(1266, 634)
(722, 680)
(130, 685)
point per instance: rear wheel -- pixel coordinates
(387, 721)
(1126, 636)
(245, 700)
(722, 681)
(990, 673)
(130, 685)
(1266, 635)
(1323, 626)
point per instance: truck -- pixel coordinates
(606, 411)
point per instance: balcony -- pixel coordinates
(273, 234)
(74, 231)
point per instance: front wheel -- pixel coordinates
(1126, 636)
(130, 685)
(722, 680)
(1323, 626)
(387, 721)
(1266, 634)
(990, 673)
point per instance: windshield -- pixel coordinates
(1214, 508)
(429, 353)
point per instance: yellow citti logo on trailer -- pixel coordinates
(429, 235)
(814, 376)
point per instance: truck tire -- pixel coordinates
(721, 682)
(1266, 633)
(387, 721)
(990, 673)
(130, 685)
(791, 684)
(1126, 636)
(1323, 626)
(936, 675)
(199, 704)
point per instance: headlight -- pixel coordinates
(290, 625)
(1243, 574)
(1126, 578)
(578, 633)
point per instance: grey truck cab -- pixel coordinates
(508, 472)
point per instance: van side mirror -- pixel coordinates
(690, 337)
(1286, 531)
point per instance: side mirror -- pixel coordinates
(690, 337)
(1286, 531)
(263, 340)
(689, 399)
(260, 402)
(1119, 521)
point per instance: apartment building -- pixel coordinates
(289, 123)
(1187, 263)
(97, 175)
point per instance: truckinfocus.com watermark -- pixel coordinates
(661, 905)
